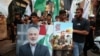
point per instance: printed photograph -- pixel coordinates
(33, 41)
(62, 38)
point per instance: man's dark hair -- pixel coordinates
(57, 17)
(49, 15)
(25, 15)
(34, 14)
(67, 15)
(42, 13)
(62, 12)
(81, 9)
(17, 13)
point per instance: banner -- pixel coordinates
(62, 37)
(45, 33)
(56, 9)
(86, 9)
(64, 31)
(40, 5)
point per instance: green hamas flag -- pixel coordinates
(56, 8)
(40, 5)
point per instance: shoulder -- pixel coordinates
(43, 50)
(24, 46)
(42, 46)
(73, 19)
(85, 20)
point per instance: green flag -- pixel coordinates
(46, 41)
(43, 40)
(56, 8)
(40, 5)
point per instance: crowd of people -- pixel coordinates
(83, 29)
(35, 20)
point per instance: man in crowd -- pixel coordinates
(49, 19)
(13, 26)
(63, 16)
(32, 48)
(26, 19)
(17, 19)
(89, 43)
(57, 18)
(42, 19)
(34, 20)
(80, 30)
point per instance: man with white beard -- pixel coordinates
(32, 48)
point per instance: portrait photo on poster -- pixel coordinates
(33, 41)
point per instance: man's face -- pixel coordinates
(78, 13)
(17, 17)
(42, 17)
(34, 19)
(57, 19)
(48, 17)
(63, 16)
(91, 18)
(33, 36)
(26, 17)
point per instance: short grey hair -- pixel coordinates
(34, 29)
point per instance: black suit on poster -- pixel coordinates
(40, 50)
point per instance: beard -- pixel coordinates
(78, 17)
(33, 41)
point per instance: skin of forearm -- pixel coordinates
(82, 32)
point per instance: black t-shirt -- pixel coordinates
(80, 25)
(92, 23)
(89, 37)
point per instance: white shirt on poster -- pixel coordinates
(33, 49)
